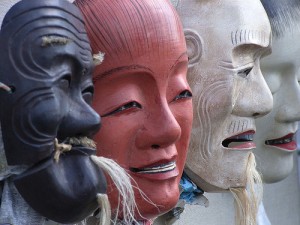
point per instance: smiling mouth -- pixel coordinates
(287, 142)
(162, 168)
(240, 141)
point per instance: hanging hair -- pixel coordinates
(121, 180)
(247, 199)
(284, 15)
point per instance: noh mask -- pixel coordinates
(229, 91)
(225, 42)
(46, 88)
(142, 95)
(275, 137)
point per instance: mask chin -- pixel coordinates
(65, 193)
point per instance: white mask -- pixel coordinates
(225, 41)
(281, 71)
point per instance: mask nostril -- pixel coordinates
(255, 114)
(155, 146)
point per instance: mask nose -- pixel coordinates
(255, 99)
(287, 103)
(80, 120)
(161, 130)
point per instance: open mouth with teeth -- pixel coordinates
(162, 168)
(240, 141)
(287, 142)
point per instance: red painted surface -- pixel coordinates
(142, 94)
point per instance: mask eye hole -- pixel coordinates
(65, 81)
(245, 72)
(87, 94)
(184, 94)
(133, 105)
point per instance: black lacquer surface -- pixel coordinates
(46, 61)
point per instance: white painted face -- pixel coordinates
(225, 41)
(275, 132)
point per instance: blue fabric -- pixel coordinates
(189, 189)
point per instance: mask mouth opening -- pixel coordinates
(80, 142)
(286, 142)
(282, 140)
(83, 145)
(240, 141)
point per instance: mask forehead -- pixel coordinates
(125, 34)
(225, 31)
(284, 51)
(37, 32)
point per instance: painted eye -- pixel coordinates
(87, 94)
(127, 106)
(184, 94)
(245, 72)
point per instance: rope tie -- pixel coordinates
(59, 149)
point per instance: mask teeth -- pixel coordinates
(278, 141)
(243, 137)
(159, 169)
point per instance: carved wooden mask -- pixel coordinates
(142, 94)
(225, 41)
(46, 61)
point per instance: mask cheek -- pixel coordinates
(38, 119)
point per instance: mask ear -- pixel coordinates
(194, 46)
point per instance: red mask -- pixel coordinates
(142, 94)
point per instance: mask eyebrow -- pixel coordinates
(119, 69)
(248, 36)
(226, 65)
(53, 40)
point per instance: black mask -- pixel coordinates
(46, 61)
